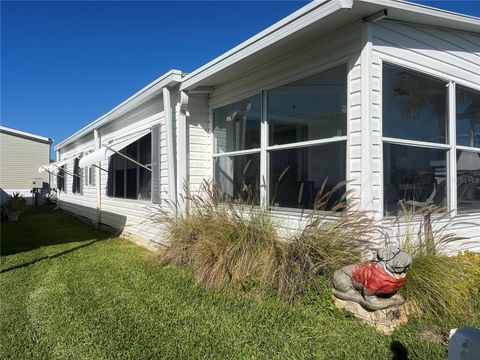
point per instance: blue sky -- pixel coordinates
(64, 64)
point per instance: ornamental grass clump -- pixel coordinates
(235, 248)
(335, 235)
(221, 241)
(226, 242)
(436, 285)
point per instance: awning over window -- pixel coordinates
(53, 167)
(108, 150)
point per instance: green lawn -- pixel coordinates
(69, 291)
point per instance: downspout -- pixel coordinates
(57, 158)
(98, 187)
(167, 108)
(182, 154)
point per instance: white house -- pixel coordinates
(383, 93)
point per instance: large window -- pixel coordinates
(237, 125)
(303, 148)
(238, 177)
(76, 177)
(61, 178)
(419, 136)
(127, 179)
(468, 149)
(413, 177)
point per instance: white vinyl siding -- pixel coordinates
(20, 159)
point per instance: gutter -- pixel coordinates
(170, 78)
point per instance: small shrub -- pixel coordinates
(436, 283)
(471, 264)
(17, 203)
(435, 286)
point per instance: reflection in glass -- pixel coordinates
(131, 171)
(414, 105)
(145, 190)
(237, 126)
(237, 178)
(127, 179)
(308, 109)
(468, 117)
(297, 175)
(119, 168)
(468, 181)
(413, 177)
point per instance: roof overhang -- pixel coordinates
(309, 23)
(169, 79)
(25, 135)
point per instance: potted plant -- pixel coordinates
(16, 205)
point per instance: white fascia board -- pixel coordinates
(301, 18)
(170, 78)
(24, 134)
(318, 10)
(458, 21)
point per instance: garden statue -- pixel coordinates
(373, 284)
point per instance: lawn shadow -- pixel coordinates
(399, 351)
(68, 251)
(43, 226)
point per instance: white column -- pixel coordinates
(452, 158)
(98, 175)
(167, 108)
(264, 176)
(366, 191)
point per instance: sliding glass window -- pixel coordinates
(415, 118)
(304, 147)
(236, 129)
(416, 147)
(307, 122)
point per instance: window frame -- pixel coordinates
(265, 149)
(137, 169)
(450, 146)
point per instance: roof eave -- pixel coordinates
(169, 79)
(25, 134)
(301, 18)
(316, 11)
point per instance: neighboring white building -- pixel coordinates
(383, 93)
(21, 154)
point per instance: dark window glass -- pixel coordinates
(413, 177)
(119, 169)
(145, 175)
(414, 106)
(130, 180)
(468, 181)
(91, 176)
(308, 109)
(468, 117)
(237, 177)
(131, 171)
(61, 178)
(76, 180)
(297, 175)
(237, 126)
